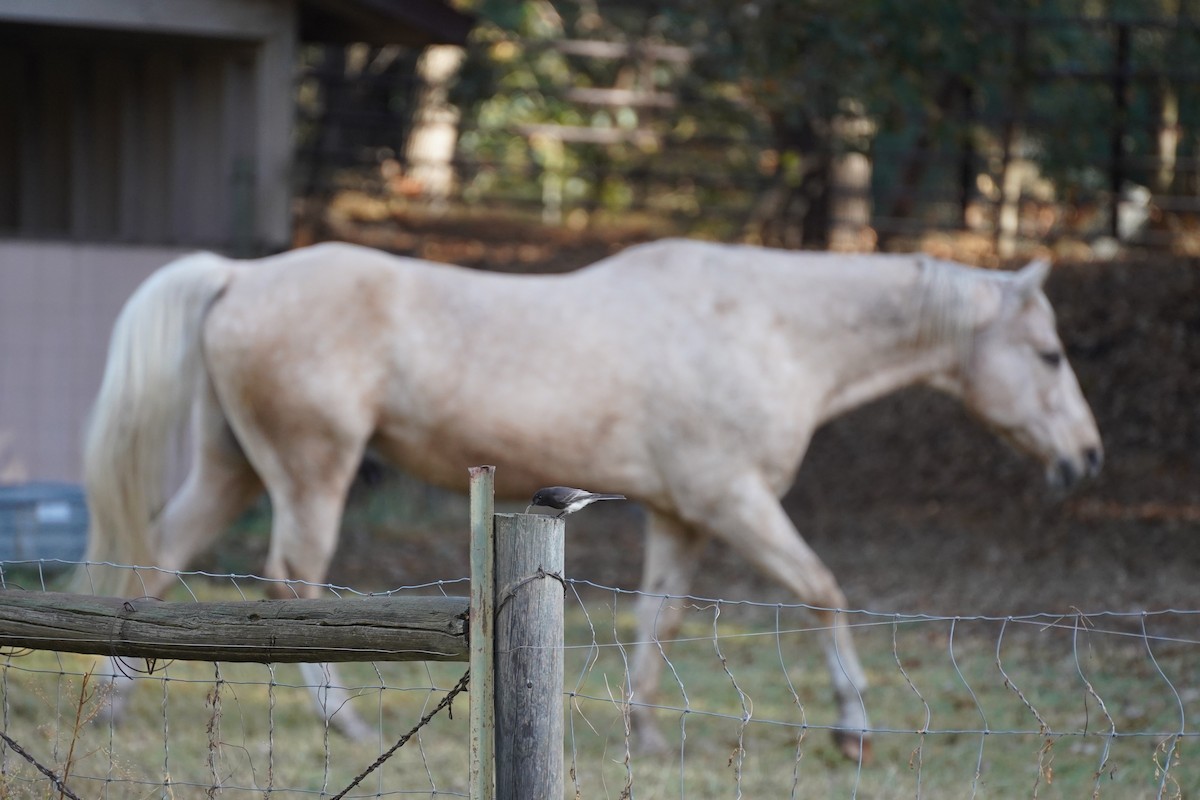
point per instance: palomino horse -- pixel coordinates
(688, 376)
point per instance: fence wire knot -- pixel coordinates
(403, 740)
(510, 591)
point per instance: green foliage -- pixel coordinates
(760, 101)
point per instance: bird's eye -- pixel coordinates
(1051, 358)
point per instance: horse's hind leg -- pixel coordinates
(219, 486)
(302, 545)
(671, 556)
(307, 479)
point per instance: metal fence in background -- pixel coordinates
(647, 152)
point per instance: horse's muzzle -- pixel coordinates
(1066, 472)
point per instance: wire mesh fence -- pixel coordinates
(1047, 705)
(197, 729)
(1042, 705)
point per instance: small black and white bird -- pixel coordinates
(566, 499)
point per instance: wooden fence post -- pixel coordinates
(529, 656)
(481, 634)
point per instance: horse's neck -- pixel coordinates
(860, 382)
(889, 346)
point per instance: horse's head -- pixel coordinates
(1016, 378)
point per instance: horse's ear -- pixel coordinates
(1030, 278)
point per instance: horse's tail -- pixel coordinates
(154, 360)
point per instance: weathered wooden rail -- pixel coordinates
(265, 631)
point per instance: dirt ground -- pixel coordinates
(911, 503)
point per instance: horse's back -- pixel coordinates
(439, 366)
(660, 345)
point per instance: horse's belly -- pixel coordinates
(443, 456)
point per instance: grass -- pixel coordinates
(198, 729)
(966, 695)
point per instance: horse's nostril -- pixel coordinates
(1094, 459)
(1066, 473)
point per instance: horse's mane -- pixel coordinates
(948, 307)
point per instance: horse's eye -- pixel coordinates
(1051, 358)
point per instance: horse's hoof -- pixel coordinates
(854, 746)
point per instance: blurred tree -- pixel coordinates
(943, 94)
(795, 74)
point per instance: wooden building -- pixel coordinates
(131, 132)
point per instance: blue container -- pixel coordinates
(42, 521)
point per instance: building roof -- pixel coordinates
(379, 22)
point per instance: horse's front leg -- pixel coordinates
(671, 557)
(750, 519)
